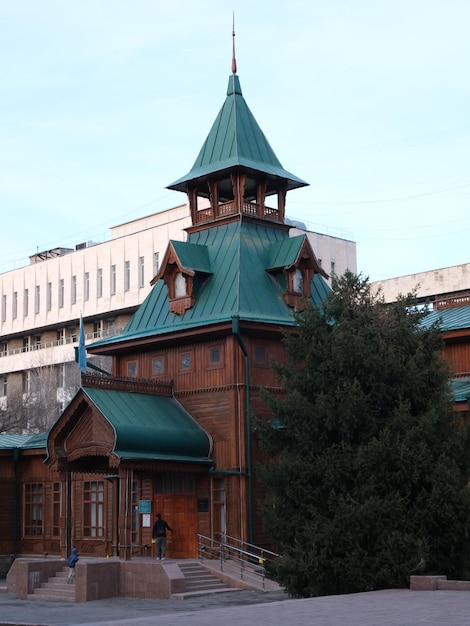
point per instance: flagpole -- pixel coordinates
(81, 347)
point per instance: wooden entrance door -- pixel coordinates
(180, 513)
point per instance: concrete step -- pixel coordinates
(60, 583)
(199, 581)
(196, 594)
(206, 584)
(50, 597)
(56, 589)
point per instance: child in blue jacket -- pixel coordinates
(71, 562)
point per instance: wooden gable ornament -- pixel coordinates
(81, 436)
(294, 264)
(181, 267)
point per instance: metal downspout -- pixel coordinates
(241, 343)
(16, 454)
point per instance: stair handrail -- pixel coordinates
(251, 559)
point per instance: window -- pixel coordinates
(73, 290)
(97, 329)
(180, 285)
(218, 499)
(36, 343)
(215, 356)
(132, 369)
(174, 482)
(297, 281)
(261, 357)
(3, 386)
(37, 299)
(25, 302)
(99, 283)
(86, 286)
(60, 336)
(56, 492)
(141, 271)
(333, 273)
(26, 381)
(127, 276)
(61, 293)
(26, 344)
(156, 263)
(93, 508)
(158, 366)
(110, 327)
(113, 281)
(4, 308)
(135, 528)
(186, 361)
(33, 509)
(14, 305)
(60, 375)
(49, 297)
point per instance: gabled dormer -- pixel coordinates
(184, 269)
(293, 264)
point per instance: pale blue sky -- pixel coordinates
(105, 102)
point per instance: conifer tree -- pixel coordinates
(367, 465)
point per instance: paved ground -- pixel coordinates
(241, 608)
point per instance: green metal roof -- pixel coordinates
(236, 139)
(151, 427)
(456, 318)
(24, 442)
(460, 389)
(192, 256)
(285, 252)
(239, 253)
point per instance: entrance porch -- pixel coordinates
(101, 578)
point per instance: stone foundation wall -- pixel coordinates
(26, 574)
(437, 583)
(97, 579)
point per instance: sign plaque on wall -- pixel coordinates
(145, 506)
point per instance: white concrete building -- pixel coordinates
(435, 286)
(41, 303)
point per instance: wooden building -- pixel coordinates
(452, 314)
(169, 429)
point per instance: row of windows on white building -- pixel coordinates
(49, 288)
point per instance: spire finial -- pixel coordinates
(234, 62)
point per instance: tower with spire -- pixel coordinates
(236, 168)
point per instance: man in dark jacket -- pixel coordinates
(159, 534)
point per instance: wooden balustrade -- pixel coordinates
(227, 209)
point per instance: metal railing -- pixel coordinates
(236, 557)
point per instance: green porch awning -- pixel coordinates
(151, 427)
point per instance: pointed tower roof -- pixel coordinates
(236, 140)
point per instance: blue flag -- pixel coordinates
(81, 347)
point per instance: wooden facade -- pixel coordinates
(198, 349)
(83, 496)
(168, 429)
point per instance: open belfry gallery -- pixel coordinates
(168, 429)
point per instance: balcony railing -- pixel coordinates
(72, 339)
(230, 208)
